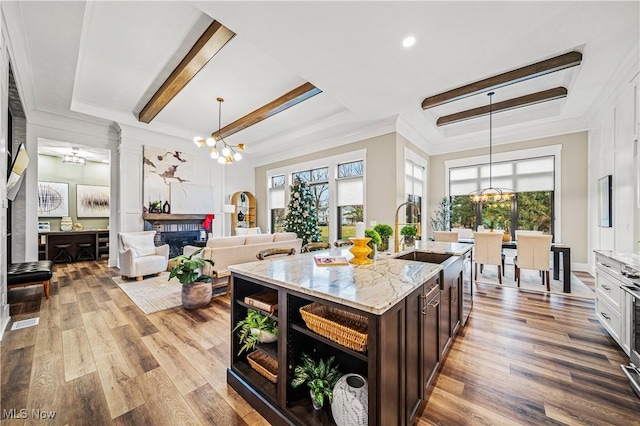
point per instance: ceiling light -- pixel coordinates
(491, 195)
(74, 158)
(227, 152)
(409, 41)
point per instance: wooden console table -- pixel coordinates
(98, 238)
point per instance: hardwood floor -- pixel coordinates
(95, 358)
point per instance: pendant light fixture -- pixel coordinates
(491, 195)
(74, 158)
(227, 153)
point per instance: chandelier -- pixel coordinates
(223, 152)
(491, 195)
(74, 158)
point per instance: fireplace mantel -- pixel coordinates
(162, 216)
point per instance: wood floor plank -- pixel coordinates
(135, 351)
(49, 332)
(47, 379)
(86, 402)
(180, 370)
(86, 302)
(70, 316)
(77, 354)
(119, 298)
(139, 321)
(113, 315)
(67, 295)
(117, 379)
(211, 409)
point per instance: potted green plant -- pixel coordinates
(385, 231)
(320, 376)
(409, 233)
(373, 242)
(196, 288)
(254, 328)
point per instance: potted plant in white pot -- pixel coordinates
(254, 328)
(321, 377)
(196, 288)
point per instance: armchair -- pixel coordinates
(138, 256)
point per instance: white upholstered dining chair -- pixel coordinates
(488, 251)
(533, 253)
(446, 236)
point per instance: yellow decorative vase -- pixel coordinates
(360, 251)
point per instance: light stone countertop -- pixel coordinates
(456, 249)
(371, 288)
(630, 259)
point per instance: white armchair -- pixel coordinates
(139, 256)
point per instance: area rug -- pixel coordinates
(153, 294)
(531, 280)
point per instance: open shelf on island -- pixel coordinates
(264, 386)
(304, 413)
(273, 316)
(301, 328)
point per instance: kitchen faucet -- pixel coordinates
(396, 235)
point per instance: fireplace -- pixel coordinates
(177, 240)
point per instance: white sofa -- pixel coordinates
(225, 251)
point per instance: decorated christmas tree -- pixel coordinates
(301, 214)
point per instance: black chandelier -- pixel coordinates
(491, 195)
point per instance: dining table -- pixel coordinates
(557, 249)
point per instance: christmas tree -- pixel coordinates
(301, 214)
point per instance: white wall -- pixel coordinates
(613, 150)
(4, 108)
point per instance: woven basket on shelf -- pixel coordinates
(345, 328)
(264, 364)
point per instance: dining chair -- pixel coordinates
(488, 251)
(533, 253)
(309, 247)
(275, 251)
(446, 236)
(523, 232)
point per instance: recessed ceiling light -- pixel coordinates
(409, 41)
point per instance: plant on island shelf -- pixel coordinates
(385, 231)
(196, 288)
(320, 376)
(255, 328)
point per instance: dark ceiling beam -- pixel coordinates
(208, 45)
(538, 69)
(522, 101)
(294, 97)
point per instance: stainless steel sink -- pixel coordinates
(422, 256)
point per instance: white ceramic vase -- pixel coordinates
(350, 405)
(66, 224)
(264, 336)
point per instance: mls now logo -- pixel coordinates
(42, 415)
(23, 413)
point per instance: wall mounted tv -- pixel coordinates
(16, 172)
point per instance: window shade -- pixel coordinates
(350, 191)
(276, 198)
(526, 175)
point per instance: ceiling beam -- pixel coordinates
(531, 99)
(294, 97)
(208, 45)
(538, 69)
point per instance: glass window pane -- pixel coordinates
(302, 176)
(320, 174)
(351, 169)
(463, 212)
(277, 181)
(277, 220)
(535, 211)
(347, 218)
(497, 216)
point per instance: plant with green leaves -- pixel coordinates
(442, 219)
(409, 231)
(187, 268)
(320, 376)
(385, 231)
(250, 328)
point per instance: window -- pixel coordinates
(414, 188)
(338, 185)
(350, 197)
(532, 207)
(276, 203)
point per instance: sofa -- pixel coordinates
(138, 256)
(225, 251)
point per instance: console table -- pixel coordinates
(98, 238)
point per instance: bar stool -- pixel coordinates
(63, 255)
(84, 253)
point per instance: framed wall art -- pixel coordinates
(604, 202)
(53, 199)
(92, 201)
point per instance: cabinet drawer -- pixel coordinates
(609, 318)
(608, 266)
(609, 288)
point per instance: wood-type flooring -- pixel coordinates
(95, 358)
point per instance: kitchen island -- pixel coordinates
(399, 301)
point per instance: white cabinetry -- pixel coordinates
(611, 300)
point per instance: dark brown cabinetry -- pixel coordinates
(97, 240)
(449, 308)
(397, 341)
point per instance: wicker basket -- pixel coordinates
(264, 364)
(345, 328)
